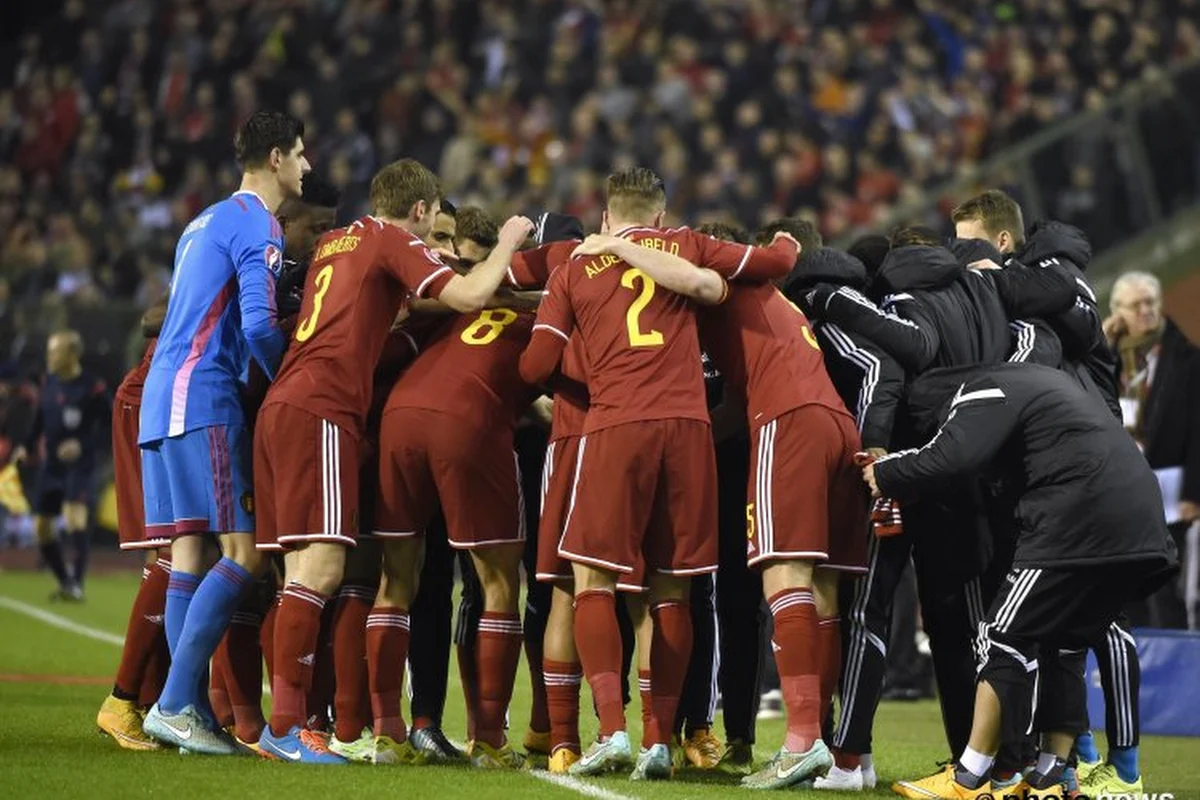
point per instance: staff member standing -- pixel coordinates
(1159, 383)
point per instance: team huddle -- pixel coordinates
(334, 464)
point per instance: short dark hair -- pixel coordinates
(726, 232)
(914, 235)
(635, 193)
(449, 208)
(802, 230)
(871, 250)
(399, 186)
(996, 211)
(477, 225)
(316, 191)
(263, 132)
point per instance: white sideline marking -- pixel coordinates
(62, 623)
(583, 787)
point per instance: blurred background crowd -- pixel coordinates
(116, 117)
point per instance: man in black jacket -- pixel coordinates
(996, 218)
(1090, 537)
(935, 314)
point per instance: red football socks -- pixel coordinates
(239, 661)
(387, 649)
(297, 628)
(562, 702)
(796, 654)
(320, 696)
(497, 652)
(351, 700)
(144, 629)
(647, 698)
(670, 651)
(154, 677)
(218, 697)
(829, 637)
(468, 676)
(598, 640)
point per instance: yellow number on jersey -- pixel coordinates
(750, 521)
(652, 338)
(489, 326)
(305, 329)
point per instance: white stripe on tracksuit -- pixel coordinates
(1119, 641)
(863, 359)
(1021, 588)
(331, 478)
(859, 636)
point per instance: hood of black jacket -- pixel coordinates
(917, 267)
(1051, 239)
(968, 251)
(826, 265)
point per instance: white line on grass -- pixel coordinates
(584, 788)
(61, 622)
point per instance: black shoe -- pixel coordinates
(434, 744)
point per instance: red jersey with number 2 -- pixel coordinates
(640, 341)
(358, 279)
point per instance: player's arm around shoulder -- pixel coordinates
(666, 269)
(471, 292)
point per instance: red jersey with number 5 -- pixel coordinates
(469, 370)
(640, 342)
(766, 351)
(358, 279)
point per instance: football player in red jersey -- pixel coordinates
(310, 428)
(806, 519)
(145, 644)
(447, 436)
(644, 485)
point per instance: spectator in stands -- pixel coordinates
(1160, 384)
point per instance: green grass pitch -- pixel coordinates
(52, 682)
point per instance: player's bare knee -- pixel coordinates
(781, 575)
(669, 587)
(589, 579)
(75, 516)
(395, 592)
(320, 567)
(187, 554)
(240, 548)
(825, 591)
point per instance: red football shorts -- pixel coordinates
(645, 489)
(127, 478)
(558, 476)
(305, 479)
(425, 456)
(805, 498)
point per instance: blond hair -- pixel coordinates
(399, 186)
(635, 194)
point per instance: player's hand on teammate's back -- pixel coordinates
(596, 244)
(983, 263)
(70, 450)
(515, 231)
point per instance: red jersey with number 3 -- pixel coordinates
(356, 283)
(639, 341)
(766, 350)
(470, 369)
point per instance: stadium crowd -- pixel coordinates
(115, 116)
(906, 363)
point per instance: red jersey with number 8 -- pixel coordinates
(358, 279)
(640, 342)
(469, 370)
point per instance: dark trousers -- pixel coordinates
(951, 606)
(740, 611)
(698, 703)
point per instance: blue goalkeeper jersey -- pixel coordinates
(221, 313)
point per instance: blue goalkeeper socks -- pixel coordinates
(1125, 759)
(181, 587)
(207, 618)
